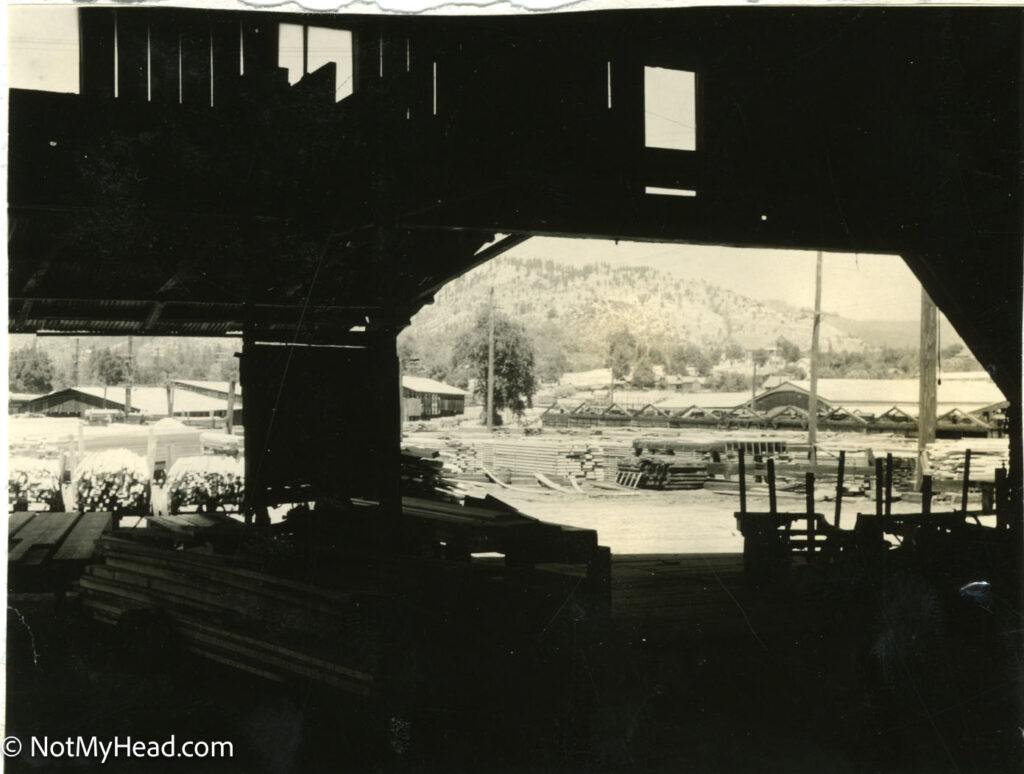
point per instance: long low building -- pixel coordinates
(967, 392)
(424, 398)
(149, 402)
(969, 405)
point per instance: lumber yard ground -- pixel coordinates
(697, 670)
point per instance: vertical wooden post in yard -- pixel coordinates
(967, 480)
(771, 486)
(229, 419)
(840, 473)
(490, 363)
(391, 421)
(129, 379)
(926, 495)
(1002, 516)
(812, 527)
(888, 484)
(879, 485)
(170, 399)
(812, 399)
(743, 479)
(927, 391)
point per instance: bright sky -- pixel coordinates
(43, 54)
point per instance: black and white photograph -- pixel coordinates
(443, 388)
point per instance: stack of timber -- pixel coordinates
(112, 480)
(34, 484)
(220, 608)
(987, 456)
(46, 551)
(663, 471)
(674, 471)
(209, 482)
(318, 598)
(591, 463)
(555, 459)
(423, 475)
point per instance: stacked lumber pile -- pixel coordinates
(209, 482)
(674, 471)
(591, 462)
(987, 456)
(550, 458)
(33, 481)
(423, 475)
(306, 602)
(114, 480)
(458, 457)
(228, 612)
(663, 471)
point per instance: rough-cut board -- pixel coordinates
(34, 540)
(17, 520)
(81, 542)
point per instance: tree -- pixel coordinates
(29, 370)
(643, 374)
(734, 351)
(514, 379)
(622, 352)
(789, 351)
(108, 368)
(952, 350)
(759, 356)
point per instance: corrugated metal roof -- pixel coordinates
(153, 400)
(423, 384)
(956, 392)
(705, 400)
(207, 385)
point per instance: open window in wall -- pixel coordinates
(670, 109)
(303, 49)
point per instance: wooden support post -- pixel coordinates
(928, 370)
(151, 451)
(490, 362)
(840, 473)
(812, 527)
(888, 484)
(771, 486)
(926, 495)
(967, 480)
(599, 575)
(812, 401)
(1002, 517)
(229, 420)
(879, 486)
(743, 480)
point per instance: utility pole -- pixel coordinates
(927, 391)
(129, 379)
(812, 400)
(490, 363)
(753, 378)
(74, 364)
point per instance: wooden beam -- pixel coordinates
(478, 258)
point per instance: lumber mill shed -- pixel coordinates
(428, 398)
(189, 188)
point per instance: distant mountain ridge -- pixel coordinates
(575, 309)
